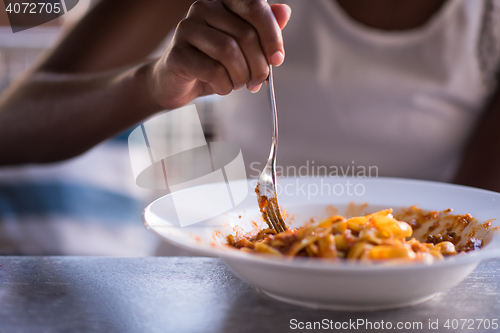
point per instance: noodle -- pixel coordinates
(377, 236)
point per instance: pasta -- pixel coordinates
(377, 236)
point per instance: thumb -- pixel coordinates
(282, 14)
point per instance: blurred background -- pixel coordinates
(88, 205)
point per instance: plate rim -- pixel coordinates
(320, 264)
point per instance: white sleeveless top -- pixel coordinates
(403, 103)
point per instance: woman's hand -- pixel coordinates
(220, 46)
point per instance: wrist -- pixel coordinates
(144, 79)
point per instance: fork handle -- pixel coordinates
(274, 115)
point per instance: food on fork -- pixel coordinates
(270, 211)
(378, 236)
(261, 199)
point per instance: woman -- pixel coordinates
(395, 87)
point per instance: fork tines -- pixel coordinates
(272, 216)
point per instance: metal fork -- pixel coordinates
(266, 186)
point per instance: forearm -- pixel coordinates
(50, 117)
(89, 87)
(114, 34)
(67, 106)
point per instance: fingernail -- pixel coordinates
(256, 88)
(238, 89)
(277, 58)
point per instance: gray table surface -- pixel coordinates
(183, 294)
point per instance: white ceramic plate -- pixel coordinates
(329, 285)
